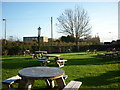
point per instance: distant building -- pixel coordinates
(28, 39)
(113, 42)
(51, 39)
(107, 43)
(44, 39)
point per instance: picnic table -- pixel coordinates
(110, 54)
(58, 60)
(44, 61)
(38, 54)
(41, 73)
(51, 55)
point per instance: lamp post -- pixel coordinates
(5, 29)
(39, 38)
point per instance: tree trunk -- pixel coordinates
(77, 44)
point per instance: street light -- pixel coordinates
(5, 29)
(39, 38)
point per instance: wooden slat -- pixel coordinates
(70, 84)
(77, 84)
(73, 85)
(61, 60)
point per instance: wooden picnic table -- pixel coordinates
(51, 55)
(41, 73)
(40, 53)
(58, 60)
(111, 53)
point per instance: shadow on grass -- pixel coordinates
(23, 62)
(16, 63)
(72, 54)
(80, 59)
(104, 79)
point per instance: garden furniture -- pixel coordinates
(101, 54)
(10, 81)
(38, 54)
(58, 60)
(42, 73)
(33, 55)
(41, 52)
(61, 62)
(73, 85)
(51, 55)
(111, 54)
(43, 61)
(17, 79)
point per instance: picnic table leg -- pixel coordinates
(10, 86)
(61, 82)
(50, 83)
(22, 84)
(30, 84)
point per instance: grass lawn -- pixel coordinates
(91, 70)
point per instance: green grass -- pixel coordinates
(91, 70)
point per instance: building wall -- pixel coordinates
(51, 39)
(42, 39)
(29, 38)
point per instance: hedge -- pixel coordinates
(13, 48)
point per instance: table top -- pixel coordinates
(51, 55)
(41, 73)
(40, 51)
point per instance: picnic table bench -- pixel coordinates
(61, 62)
(38, 54)
(33, 55)
(43, 61)
(16, 79)
(73, 85)
(10, 81)
(110, 55)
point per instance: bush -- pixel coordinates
(17, 48)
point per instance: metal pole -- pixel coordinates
(51, 31)
(39, 38)
(5, 29)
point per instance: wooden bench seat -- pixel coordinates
(73, 85)
(61, 62)
(33, 55)
(12, 80)
(43, 61)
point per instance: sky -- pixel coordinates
(24, 18)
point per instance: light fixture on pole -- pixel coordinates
(5, 29)
(39, 38)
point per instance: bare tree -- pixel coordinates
(74, 23)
